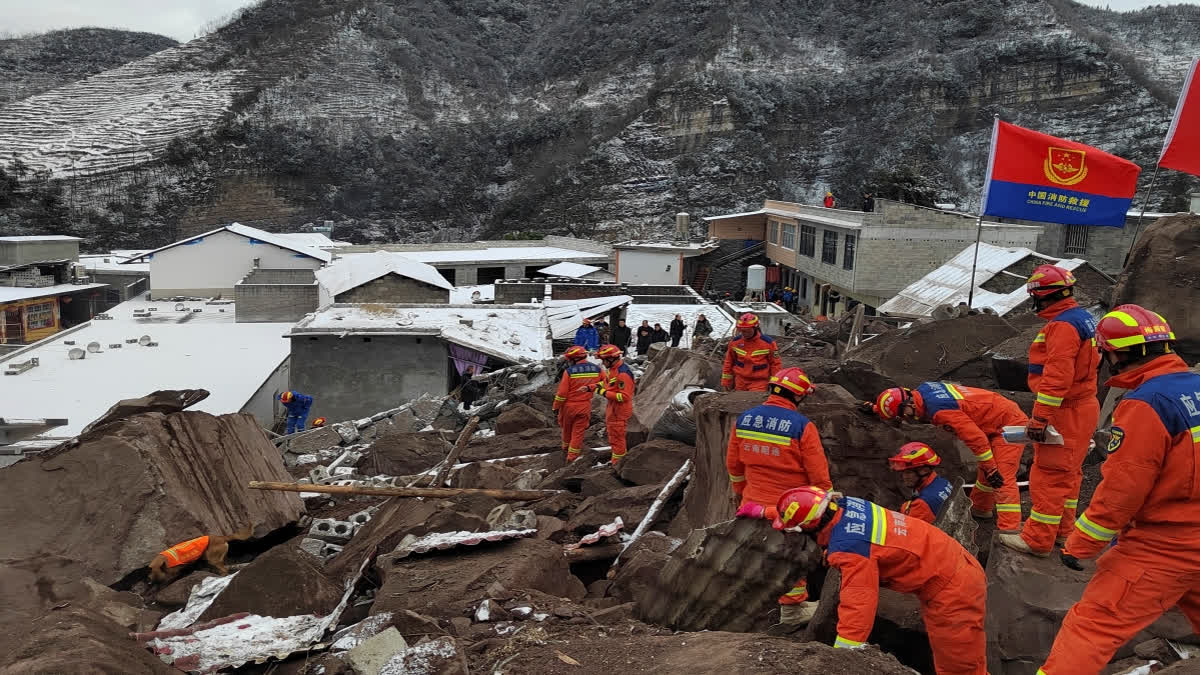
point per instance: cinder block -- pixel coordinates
(330, 530)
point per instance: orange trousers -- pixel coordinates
(616, 424)
(1007, 498)
(799, 592)
(574, 419)
(1056, 474)
(953, 616)
(1133, 586)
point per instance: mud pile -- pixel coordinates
(1163, 275)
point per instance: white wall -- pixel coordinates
(213, 264)
(648, 267)
(263, 404)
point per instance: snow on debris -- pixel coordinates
(352, 636)
(570, 269)
(354, 271)
(604, 531)
(422, 659)
(445, 540)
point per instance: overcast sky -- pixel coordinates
(184, 19)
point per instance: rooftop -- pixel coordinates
(312, 239)
(355, 270)
(469, 256)
(950, 283)
(514, 333)
(722, 323)
(570, 269)
(567, 315)
(39, 237)
(14, 293)
(687, 248)
(740, 308)
(113, 262)
(203, 349)
(282, 241)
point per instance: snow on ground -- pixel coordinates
(721, 322)
(461, 295)
(204, 350)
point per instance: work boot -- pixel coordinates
(797, 615)
(1016, 543)
(982, 515)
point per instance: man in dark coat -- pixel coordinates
(677, 328)
(644, 333)
(621, 336)
(659, 335)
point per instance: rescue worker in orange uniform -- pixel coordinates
(773, 448)
(573, 400)
(978, 418)
(1148, 500)
(750, 359)
(617, 389)
(873, 547)
(1062, 372)
(915, 463)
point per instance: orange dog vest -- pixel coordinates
(188, 551)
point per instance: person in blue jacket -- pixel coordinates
(297, 405)
(587, 336)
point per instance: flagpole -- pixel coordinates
(982, 206)
(1145, 203)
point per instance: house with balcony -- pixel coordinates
(836, 258)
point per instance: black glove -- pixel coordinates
(1071, 562)
(994, 478)
(867, 407)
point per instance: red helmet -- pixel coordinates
(747, 320)
(319, 422)
(888, 405)
(575, 353)
(1131, 325)
(914, 455)
(801, 507)
(1048, 279)
(793, 380)
(609, 352)
(587, 322)
(286, 397)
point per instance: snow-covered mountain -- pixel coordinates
(448, 119)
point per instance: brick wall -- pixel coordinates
(393, 288)
(1106, 246)
(275, 296)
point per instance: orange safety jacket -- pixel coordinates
(976, 416)
(1063, 358)
(772, 449)
(928, 499)
(186, 552)
(617, 388)
(1150, 493)
(750, 363)
(874, 547)
(582, 374)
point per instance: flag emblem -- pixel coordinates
(1065, 167)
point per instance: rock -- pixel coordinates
(570, 475)
(618, 614)
(517, 418)
(527, 442)
(73, 640)
(416, 626)
(313, 441)
(930, 351)
(348, 431)
(956, 521)
(1010, 359)
(397, 453)
(654, 462)
(490, 610)
(149, 463)
(441, 656)
(672, 371)
(358, 633)
(165, 401)
(284, 581)
(861, 379)
(406, 422)
(176, 593)
(654, 541)
(1158, 650)
(369, 657)
(484, 475)
(598, 481)
(598, 588)
(552, 529)
(636, 579)
(724, 576)
(558, 506)
(1162, 275)
(505, 517)
(447, 586)
(631, 504)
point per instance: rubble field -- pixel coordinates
(523, 563)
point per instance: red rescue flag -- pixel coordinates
(1181, 150)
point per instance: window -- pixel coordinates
(808, 240)
(848, 252)
(788, 240)
(1075, 240)
(829, 247)
(40, 315)
(773, 231)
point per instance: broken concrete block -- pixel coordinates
(313, 440)
(330, 530)
(313, 547)
(552, 529)
(285, 581)
(528, 480)
(319, 475)
(347, 431)
(370, 656)
(441, 656)
(631, 504)
(654, 462)
(505, 517)
(485, 475)
(956, 521)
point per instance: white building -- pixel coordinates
(210, 264)
(658, 262)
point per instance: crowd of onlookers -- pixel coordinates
(591, 334)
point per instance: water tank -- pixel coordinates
(1195, 202)
(682, 226)
(756, 278)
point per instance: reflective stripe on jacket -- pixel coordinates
(772, 449)
(1063, 358)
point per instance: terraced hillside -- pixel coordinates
(467, 118)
